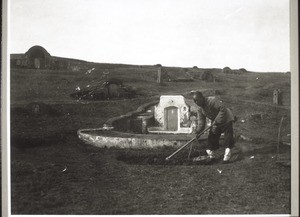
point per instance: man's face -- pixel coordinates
(199, 100)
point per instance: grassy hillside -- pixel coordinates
(49, 85)
(53, 172)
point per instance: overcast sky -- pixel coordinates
(251, 34)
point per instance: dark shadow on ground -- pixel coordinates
(158, 156)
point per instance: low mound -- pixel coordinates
(36, 109)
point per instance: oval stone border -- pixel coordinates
(122, 140)
(105, 141)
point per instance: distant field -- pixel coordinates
(53, 172)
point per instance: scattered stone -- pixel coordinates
(218, 92)
(40, 108)
(245, 138)
(90, 70)
(109, 88)
(256, 117)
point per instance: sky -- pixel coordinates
(250, 34)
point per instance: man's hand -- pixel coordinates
(214, 128)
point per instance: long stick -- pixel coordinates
(190, 151)
(279, 138)
(178, 150)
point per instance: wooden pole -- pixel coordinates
(279, 138)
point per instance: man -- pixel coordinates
(222, 121)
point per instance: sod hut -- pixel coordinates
(242, 70)
(38, 57)
(207, 76)
(226, 70)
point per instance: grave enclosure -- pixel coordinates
(169, 122)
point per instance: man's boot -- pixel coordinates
(227, 155)
(211, 156)
(205, 158)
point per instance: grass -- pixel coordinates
(53, 172)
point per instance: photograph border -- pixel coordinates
(5, 110)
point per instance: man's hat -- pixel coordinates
(198, 97)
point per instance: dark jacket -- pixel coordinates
(215, 111)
